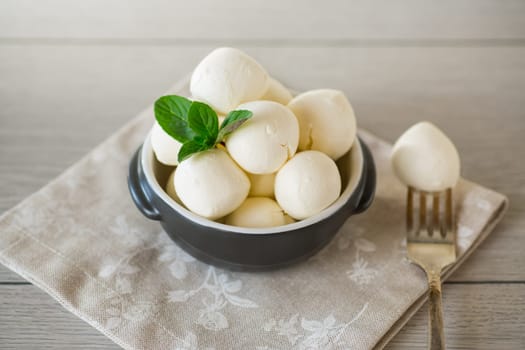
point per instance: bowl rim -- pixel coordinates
(356, 165)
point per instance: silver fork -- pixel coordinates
(431, 244)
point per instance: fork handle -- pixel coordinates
(435, 313)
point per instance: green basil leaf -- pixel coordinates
(189, 148)
(233, 120)
(171, 113)
(204, 122)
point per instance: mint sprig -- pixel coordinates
(171, 113)
(195, 124)
(203, 121)
(233, 120)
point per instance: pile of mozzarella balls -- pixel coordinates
(279, 166)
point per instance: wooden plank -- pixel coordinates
(58, 102)
(478, 316)
(30, 319)
(486, 316)
(8, 276)
(267, 21)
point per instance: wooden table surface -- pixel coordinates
(72, 72)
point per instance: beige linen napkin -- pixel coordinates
(82, 240)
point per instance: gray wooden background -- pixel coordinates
(71, 72)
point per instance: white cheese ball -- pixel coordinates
(226, 78)
(257, 212)
(261, 185)
(263, 143)
(277, 92)
(424, 158)
(165, 147)
(307, 184)
(210, 184)
(326, 120)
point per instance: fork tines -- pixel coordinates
(429, 216)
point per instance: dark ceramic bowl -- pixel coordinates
(243, 248)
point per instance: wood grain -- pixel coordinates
(267, 21)
(479, 316)
(31, 319)
(98, 88)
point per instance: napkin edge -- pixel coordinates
(64, 303)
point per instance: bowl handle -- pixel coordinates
(370, 181)
(139, 196)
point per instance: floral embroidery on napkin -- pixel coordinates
(222, 292)
(314, 334)
(360, 272)
(177, 259)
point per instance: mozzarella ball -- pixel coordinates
(263, 143)
(226, 78)
(424, 158)
(307, 184)
(170, 188)
(257, 212)
(326, 121)
(277, 92)
(210, 184)
(261, 185)
(165, 147)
